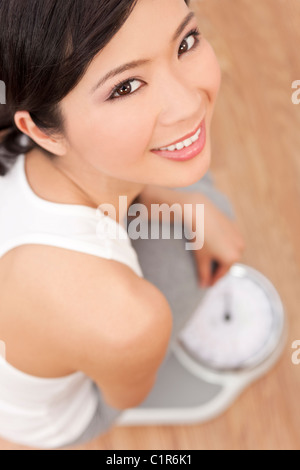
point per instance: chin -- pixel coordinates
(198, 168)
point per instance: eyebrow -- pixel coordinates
(138, 63)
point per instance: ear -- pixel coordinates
(26, 125)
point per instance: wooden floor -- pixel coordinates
(256, 153)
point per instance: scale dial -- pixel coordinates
(237, 325)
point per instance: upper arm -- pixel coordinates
(99, 317)
(124, 350)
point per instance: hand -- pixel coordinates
(223, 245)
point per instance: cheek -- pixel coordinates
(213, 70)
(114, 135)
(207, 72)
(124, 130)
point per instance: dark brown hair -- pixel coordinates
(45, 48)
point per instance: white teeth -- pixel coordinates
(185, 143)
(195, 137)
(180, 146)
(188, 142)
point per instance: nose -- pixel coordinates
(179, 99)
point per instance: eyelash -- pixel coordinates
(195, 32)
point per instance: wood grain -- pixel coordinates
(256, 150)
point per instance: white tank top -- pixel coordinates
(38, 412)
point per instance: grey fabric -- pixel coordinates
(171, 268)
(103, 419)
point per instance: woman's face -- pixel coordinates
(166, 99)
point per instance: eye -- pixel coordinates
(190, 42)
(125, 89)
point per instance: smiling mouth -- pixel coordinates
(184, 142)
(187, 149)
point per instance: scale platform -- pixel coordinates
(236, 335)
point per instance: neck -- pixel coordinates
(79, 183)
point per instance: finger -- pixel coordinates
(204, 271)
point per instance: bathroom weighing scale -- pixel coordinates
(236, 335)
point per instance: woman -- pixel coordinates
(85, 329)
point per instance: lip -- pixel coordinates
(187, 153)
(183, 138)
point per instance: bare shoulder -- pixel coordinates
(73, 301)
